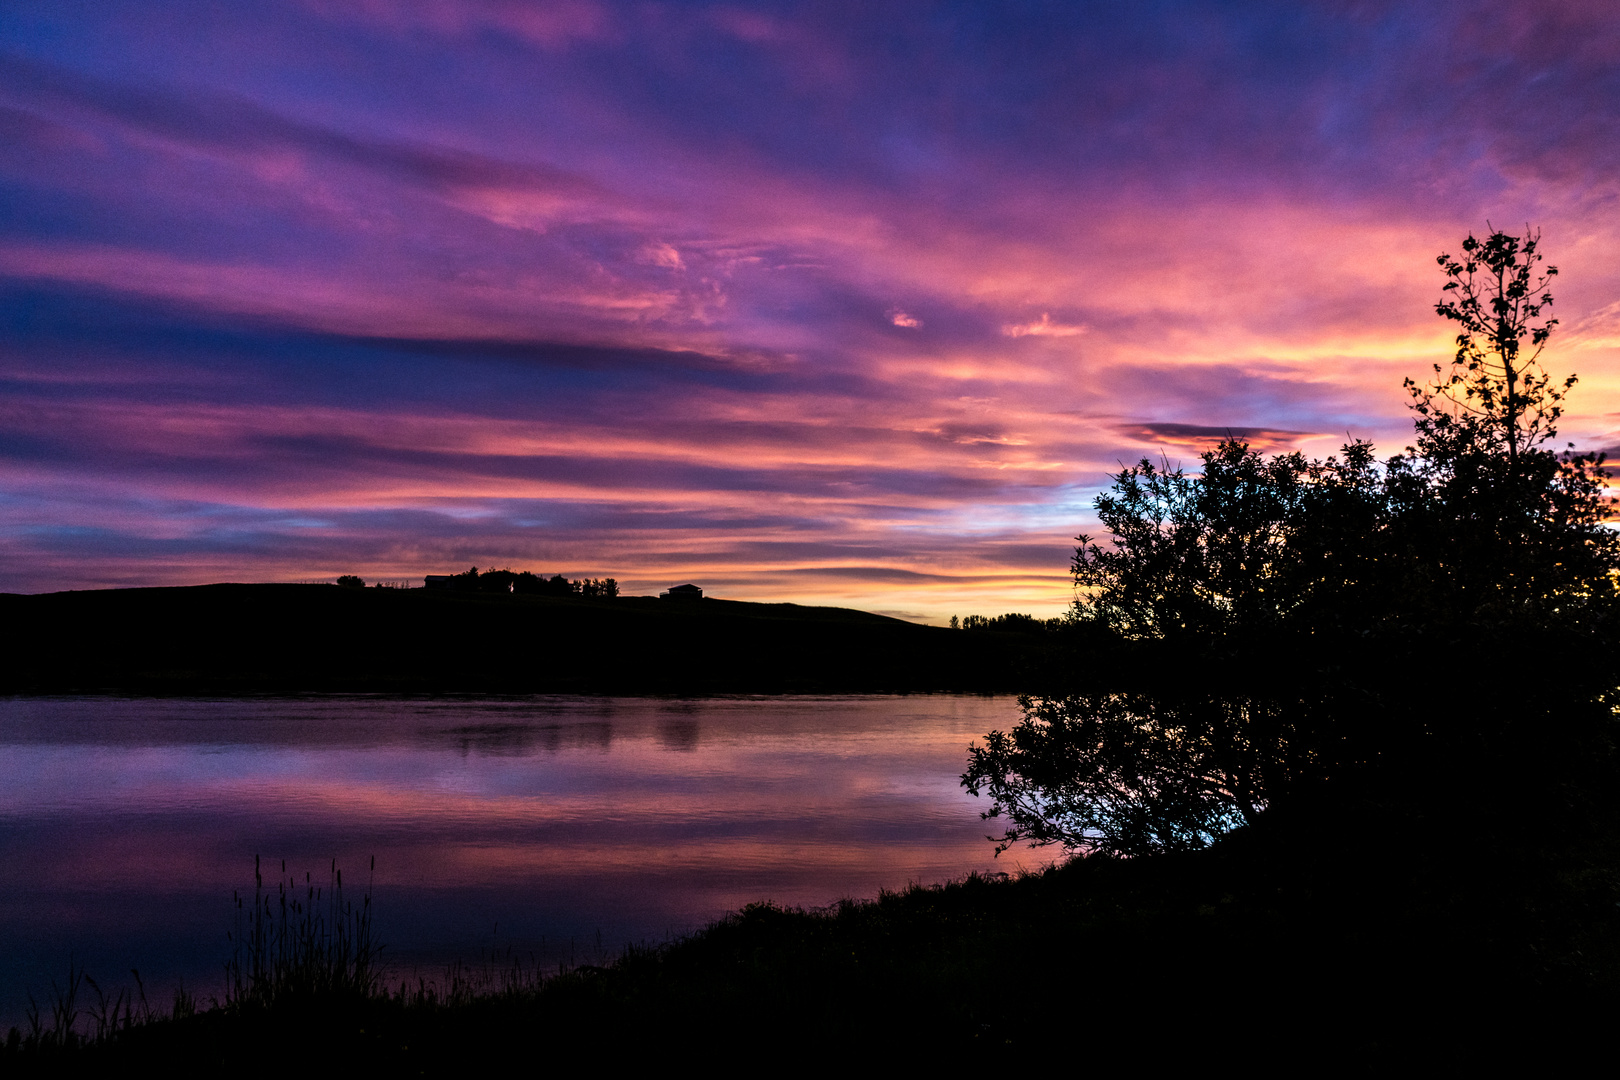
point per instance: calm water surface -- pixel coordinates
(554, 827)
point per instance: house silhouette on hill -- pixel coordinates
(682, 592)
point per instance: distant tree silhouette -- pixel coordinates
(352, 581)
(1275, 634)
(603, 587)
(529, 583)
(1010, 622)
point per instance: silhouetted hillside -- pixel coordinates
(240, 638)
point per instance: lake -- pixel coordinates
(552, 828)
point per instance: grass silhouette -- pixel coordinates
(297, 942)
(1282, 950)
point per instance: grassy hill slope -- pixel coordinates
(291, 638)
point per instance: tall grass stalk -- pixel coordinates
(297, 942)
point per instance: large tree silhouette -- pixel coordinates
(1272, 635)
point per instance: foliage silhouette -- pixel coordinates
(1499, 397)
(1011, 622)
(531, 584)
(1291, 637)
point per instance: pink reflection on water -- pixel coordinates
(126, 825)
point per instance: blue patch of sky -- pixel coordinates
(85, 329)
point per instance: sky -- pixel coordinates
(831, 303)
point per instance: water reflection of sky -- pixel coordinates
(126, 824)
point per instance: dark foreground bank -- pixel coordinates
(313, 638)
(1262, 952)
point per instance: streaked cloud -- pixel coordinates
(1197, 437)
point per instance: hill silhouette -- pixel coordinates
(234, 638)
